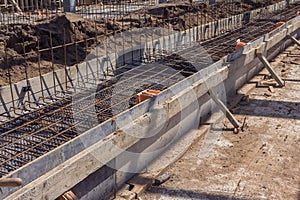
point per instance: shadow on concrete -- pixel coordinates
(186, 194)
(93, 181)
(270, 108)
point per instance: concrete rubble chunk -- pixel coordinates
(161, 179)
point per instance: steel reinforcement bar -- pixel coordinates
(43, 126)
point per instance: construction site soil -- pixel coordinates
(28, 50)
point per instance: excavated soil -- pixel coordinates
(19, 43)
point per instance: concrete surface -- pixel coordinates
(261, 162)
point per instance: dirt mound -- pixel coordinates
(64, 29)
(23, 41)
(185, 15)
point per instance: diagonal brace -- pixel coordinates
(294, 40)
(225, 110)
(268, 66)
(16, 5)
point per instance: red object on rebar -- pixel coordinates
(146, 94)
(278, 24)
(239, 44)
(298, 13)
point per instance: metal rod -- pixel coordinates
(294, 40)
(268, 66)
(225, 110)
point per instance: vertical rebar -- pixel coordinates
(189, 22)
(140, 20)
(26, 68)
(97, 52)
(123, 43)
(52, 61)
(76, 54)
(131, 39)
(65, 60)
(197, 16)
(86, 53)
(106, 45)
(115, 42)
(39, 66)
(9, 76)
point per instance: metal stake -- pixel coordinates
(225, 110)
(294, 40)
(268, 66)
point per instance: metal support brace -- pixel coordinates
(226, 111)
(268, 66)
(16, 5)
(294, 40)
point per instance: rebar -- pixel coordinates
(42, 125)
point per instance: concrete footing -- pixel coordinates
(101, 159)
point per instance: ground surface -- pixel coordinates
(262, 162)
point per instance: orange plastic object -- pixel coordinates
(239, 45)
(146, 94)
(278, 24)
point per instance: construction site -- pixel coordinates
(147, 99)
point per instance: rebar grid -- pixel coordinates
(62, 48)
(31, 14)
(42, 126)
(225, 44)
(33, 11)
(37, 132)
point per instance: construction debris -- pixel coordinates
(271, 89)
(161, 179)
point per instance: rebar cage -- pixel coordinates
(33, 127)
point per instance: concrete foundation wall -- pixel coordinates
(78, 159)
